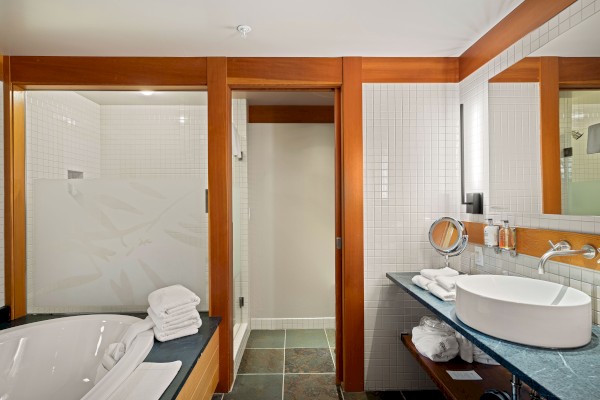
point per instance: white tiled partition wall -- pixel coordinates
(66, 131)
(63, 133)
(411, 177)
(514, 178)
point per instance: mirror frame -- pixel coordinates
(461, 243)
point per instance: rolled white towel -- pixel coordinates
(465, 348)
(481, 357)
(432, 273)
(448, 282)
(442, 293)
(435, 346)
(421, 281)
(172, 300)
(170, 335)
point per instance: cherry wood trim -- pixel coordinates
(284, 72)
(142, 72)
(550, 135)
(579, 72)
(290, 114)
(526, 70)
(534, 242)
(339, 316)
(14, 196)
(409, 69)
(352, 226)
(526, 17)
(475, 231)
(220, 252)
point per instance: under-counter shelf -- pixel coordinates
(493, 376)
(567, 374)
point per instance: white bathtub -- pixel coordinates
(58, 358)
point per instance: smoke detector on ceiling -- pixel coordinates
(244, 30)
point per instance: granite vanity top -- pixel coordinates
(568, 374)
(187, 349)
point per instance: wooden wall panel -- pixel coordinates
(526, 70)
(579, 72)
(352, 226)
(290, 114)
(250, 72)
(219, 215)
(526, 17)
(339, 316)
(14, 195)
(409, 69)
(534, 242)
(550, 135)
(142, 72)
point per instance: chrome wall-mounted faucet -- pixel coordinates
(563, 248)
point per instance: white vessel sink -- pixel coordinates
(524, 310)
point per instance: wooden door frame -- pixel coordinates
(221, 75)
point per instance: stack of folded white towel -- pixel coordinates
(440, 282)
(437, 341)
(173, 310)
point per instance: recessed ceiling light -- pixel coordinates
(147, 92)
(244, 30)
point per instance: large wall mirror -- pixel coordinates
(544, 116)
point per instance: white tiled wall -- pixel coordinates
(63, 133)
(411, 177)
(514, 179)
(67, 131)
(2, 199)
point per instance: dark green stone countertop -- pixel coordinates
(568, 374)
(186, 349)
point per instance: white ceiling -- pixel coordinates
(579, 41)
(321, 28)
(135, 97)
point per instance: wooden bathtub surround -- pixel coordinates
(534, 242)
(202, 381)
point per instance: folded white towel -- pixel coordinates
(175, 321)
(442, 293)
(432, 273)
(170, 335)
(421, 281)
(448, 282)
(172, 300)
(173, 330)
(147, 382)
(435, 346)
(465, 348)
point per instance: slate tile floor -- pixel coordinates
(297, 364)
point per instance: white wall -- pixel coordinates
(411, 177)
(62, 133)
(292, 220)
(67, 131)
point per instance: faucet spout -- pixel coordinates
(563, 248)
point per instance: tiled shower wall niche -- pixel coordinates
(411, 164)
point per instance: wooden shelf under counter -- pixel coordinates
(493, 376)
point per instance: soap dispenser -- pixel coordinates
(490, 234)
(507, 236)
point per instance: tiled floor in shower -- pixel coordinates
(297, 364)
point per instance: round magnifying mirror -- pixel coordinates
(448, 236)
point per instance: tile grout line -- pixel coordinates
(283, 372)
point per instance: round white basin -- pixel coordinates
(524, 310)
